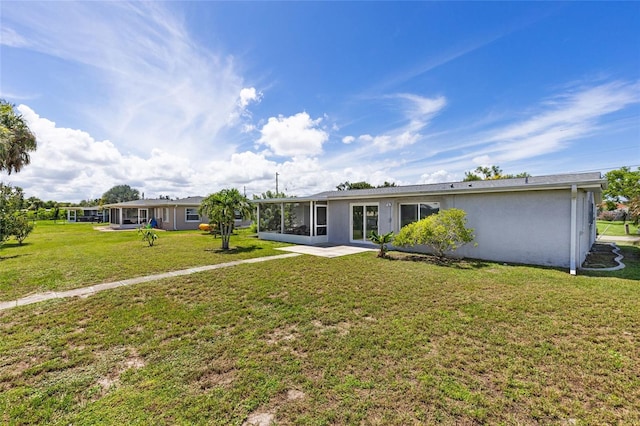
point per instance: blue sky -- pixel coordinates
(186, 98)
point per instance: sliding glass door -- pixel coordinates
(364, 219)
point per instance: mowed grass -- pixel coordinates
(314, 341)
(63, 256)
(616, 228)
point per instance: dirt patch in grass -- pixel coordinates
(132, 361)
(601, 256)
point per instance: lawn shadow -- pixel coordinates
(236, 249)
(13, 244)
(457, 263)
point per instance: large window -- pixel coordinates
(415, 211)
(191, 215)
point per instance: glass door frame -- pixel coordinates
(365, 230)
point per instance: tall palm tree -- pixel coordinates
(16, 139)
(221, 209)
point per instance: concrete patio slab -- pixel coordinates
(335, 251)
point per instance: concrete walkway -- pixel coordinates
(88, 291)
(619, 239)
(332, 251)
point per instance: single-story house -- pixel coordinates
(543, 220)
(171, 215)
(174, 215)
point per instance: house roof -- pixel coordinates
(591, 181)
(149, 203)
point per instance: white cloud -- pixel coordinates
(297, 135)
(11, 38)
(248, 95)
(438, 177)
(417, 114)
(564, 118)
(348, 139)
(158, 88)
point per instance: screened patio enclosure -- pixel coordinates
(292, 221)
(130, 217)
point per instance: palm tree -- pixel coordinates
(222, 207)
(16, 139)
(382, 240)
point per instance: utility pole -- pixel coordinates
(277, 184)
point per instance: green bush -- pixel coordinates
(443, 232)
(21, 228)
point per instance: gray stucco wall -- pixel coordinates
(531, 227)
(525, 227)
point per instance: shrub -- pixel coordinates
(443, 232)
(610, 215)
(21, 228)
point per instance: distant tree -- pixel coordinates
(443, 232)
(491, 173)
(16, 139)
(347, 186)
(34, 203)
(41, 213)
(120, 194)
(622, 184)
(270, 194)
(92, 203)
(221, 208)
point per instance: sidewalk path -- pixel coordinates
(619, 239)
(87, 291)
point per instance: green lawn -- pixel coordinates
(63, 256)
(314, 341)
(615, 228)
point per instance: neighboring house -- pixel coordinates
(87, 214)
(544, 220)
(173, 215)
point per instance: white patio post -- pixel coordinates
(258, 218)
(282, 218)
(312, 217)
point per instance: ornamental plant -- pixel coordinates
(381, 240)
(148, 235)
(443, 232)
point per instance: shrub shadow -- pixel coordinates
(448, 262)
(14, 244)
